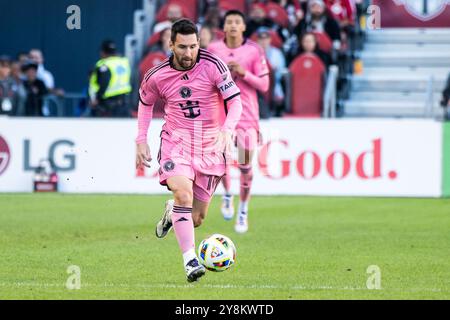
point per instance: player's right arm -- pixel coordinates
(147, 98)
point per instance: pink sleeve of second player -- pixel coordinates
(258, 78)
(147, 98)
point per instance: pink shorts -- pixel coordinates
(205, 175)
(247, 137)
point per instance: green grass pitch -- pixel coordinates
(296, 248)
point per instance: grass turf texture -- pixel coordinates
(297, 248)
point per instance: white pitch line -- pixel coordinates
(211, 286)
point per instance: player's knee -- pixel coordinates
(246, 169)
(183, 198)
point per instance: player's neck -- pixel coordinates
(234, 42)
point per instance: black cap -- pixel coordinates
(109, 47)
(29, 64)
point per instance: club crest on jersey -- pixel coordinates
(169, 165)
(224, 76)
(185, 92)
(424, 9)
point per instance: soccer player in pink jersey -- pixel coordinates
(193, 83)
(249, 68)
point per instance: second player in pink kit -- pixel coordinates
(194, 84)
(249, 68)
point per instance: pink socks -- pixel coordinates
(184, 228)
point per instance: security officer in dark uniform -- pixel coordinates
(109, 85)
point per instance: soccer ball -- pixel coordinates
(217, 253)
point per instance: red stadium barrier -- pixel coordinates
(226, 5)
(150, 60)
(277, 14)
(307, 71)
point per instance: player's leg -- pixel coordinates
(199, 212)
(246, 179)
(183, 225)
(204, 187)
(247, 142)
(227, 206)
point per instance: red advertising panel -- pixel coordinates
(414, 13)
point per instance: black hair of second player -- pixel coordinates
(234, 13)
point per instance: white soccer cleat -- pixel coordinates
(165, 224)
(227, 207)
(241, 225)
(194, 270)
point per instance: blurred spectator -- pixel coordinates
(12, 94)
(163, 44)
(35, 89)
(258, 18)
(295, 12)
(206, 36)
(173, 13)
(42, 74)
(318, 20)
(16, 72)
(446, 99)
(344, 11)
(308, 44)
(22, 58)
(277, 63)
(213, 19)
(109, 85)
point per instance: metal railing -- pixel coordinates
(63, 106)
(429, 103)
(330, 93)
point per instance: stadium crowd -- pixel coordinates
(24, 82)
(326, 32)
(286, 30)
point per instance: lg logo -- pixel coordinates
(60, 153)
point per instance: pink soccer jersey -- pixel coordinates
(252, 58)
(193, 100)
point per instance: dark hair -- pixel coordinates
(233, 13)
(29, 64)
(184, 27)
(109, 47)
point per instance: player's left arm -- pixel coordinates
(258, 76)
(231, 95)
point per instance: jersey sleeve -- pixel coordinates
(258, 76)
(260, 66)
(148, 95)
(224, 82)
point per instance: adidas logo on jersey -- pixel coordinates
(185, 77)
